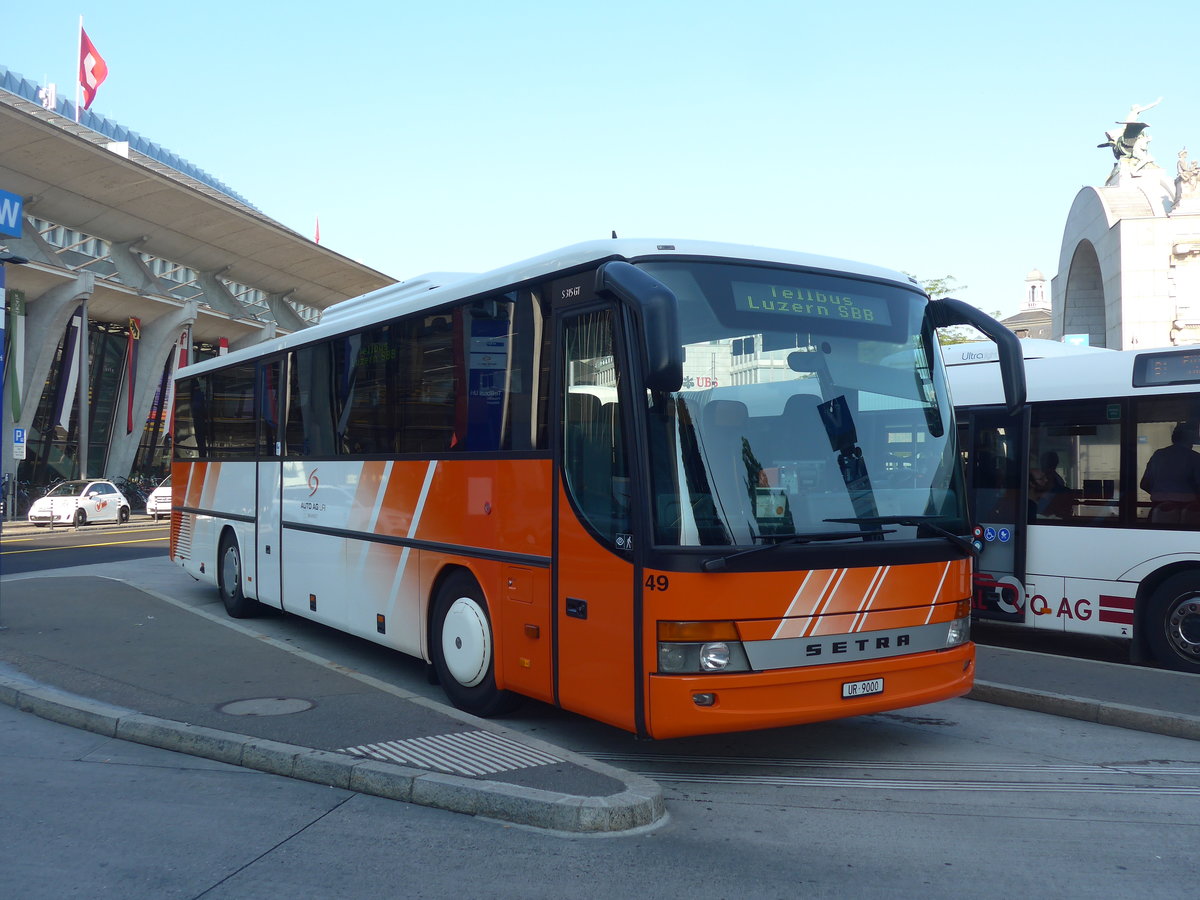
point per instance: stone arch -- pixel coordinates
(1083, 298)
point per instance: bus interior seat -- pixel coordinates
(805, 442)
(726, 425)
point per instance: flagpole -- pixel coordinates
(78, 63)
(84, 392)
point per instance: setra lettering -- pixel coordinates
(862, 645)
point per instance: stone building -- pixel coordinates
(1129, 266)
(1034, 319)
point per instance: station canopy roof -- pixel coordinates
(68, 174)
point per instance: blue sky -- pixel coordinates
(935, 138)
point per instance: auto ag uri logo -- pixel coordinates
(313, 482)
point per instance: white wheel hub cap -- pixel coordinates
(466, 642)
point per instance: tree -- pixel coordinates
(944, 287)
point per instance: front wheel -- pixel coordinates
(462, 649)
(123, 515)
(80, 518)
(1173, 622)
(229, 580)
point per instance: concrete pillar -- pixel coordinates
(133, 271)
(283, 313)
(219, 297)
(45, 319)
(32, 245)
(158, 342)
(266, 331)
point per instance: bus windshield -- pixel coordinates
(812, 404)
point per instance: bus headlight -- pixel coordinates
(688, 648)
(692, 659)
(959, 632)
(714, 657)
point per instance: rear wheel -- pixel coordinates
(229, 580)
(1173, 622)
(462, 649)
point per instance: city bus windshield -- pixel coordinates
(812, 404)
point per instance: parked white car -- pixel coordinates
(80, 502)
(159, 502)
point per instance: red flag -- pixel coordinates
(92, 68)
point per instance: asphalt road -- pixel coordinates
(953, 799)
(25, 550)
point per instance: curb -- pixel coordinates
(1132, 717)
(641, 803)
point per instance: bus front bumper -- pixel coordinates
(780, 697)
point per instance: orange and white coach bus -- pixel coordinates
(677, 487)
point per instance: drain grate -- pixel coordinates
(462, 753)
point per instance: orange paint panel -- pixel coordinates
(369, 480)
(493, 504)
(524, 621)
(811, 694)
(847, 595)
(195, 483)
(212, 475)
(807, 601)
(596, 653)
(769, 605)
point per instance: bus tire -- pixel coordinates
(462, 649)
(229, 579)
(1173, 622)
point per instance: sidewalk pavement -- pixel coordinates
(118, 660)
(133, 664)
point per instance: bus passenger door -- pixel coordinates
(996, 487)
(269, 489)
(596, 636)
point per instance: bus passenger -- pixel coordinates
(1172, 478)
(1048, 493)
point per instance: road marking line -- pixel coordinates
(81, 546)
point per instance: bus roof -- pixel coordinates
(1031, 348)
(433, 289)
(1100, 373)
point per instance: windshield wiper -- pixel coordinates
(718, 563)
(957, 539)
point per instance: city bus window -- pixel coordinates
(310, 417)
(1075, 462)
(191, 418)
(1167, 468)
(594, 463)
(233, 420)
(269, 434)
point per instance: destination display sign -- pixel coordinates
(769, 300)
(1166, 367)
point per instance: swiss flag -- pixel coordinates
(92, 69)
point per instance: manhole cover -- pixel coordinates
(267, 706)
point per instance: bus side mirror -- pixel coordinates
(949, 311)
(657, 310)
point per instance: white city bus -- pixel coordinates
(1073, 541)
(659, 484)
